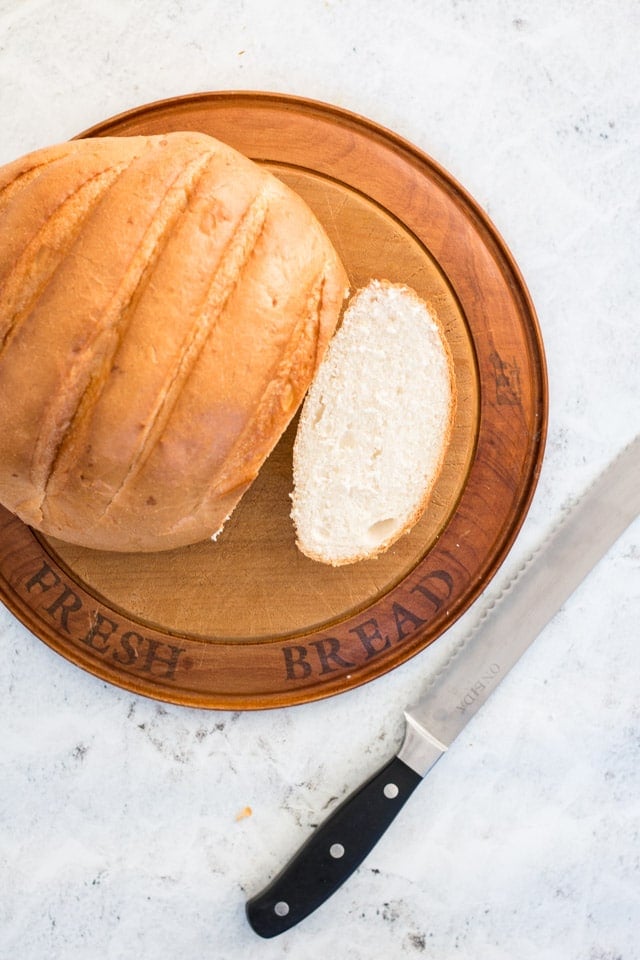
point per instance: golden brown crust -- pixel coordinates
(158, 299)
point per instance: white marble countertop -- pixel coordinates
(121, 827)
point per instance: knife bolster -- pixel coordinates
(420, 750)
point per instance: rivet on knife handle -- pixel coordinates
(333, 852)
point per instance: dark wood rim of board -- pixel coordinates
(500, 484)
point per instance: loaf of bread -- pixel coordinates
(164, 305)
(374, 427)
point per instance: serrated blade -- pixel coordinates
(537, 591)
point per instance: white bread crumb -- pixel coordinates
(374, 427)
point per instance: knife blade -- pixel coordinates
(454, 694)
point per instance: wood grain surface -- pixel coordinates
(248, 622)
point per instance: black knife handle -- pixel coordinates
(333, 851)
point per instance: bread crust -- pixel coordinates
(180, 300)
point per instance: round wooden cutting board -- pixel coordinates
(248, 622)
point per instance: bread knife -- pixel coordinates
(454, 694)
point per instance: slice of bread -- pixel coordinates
(374, 427)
